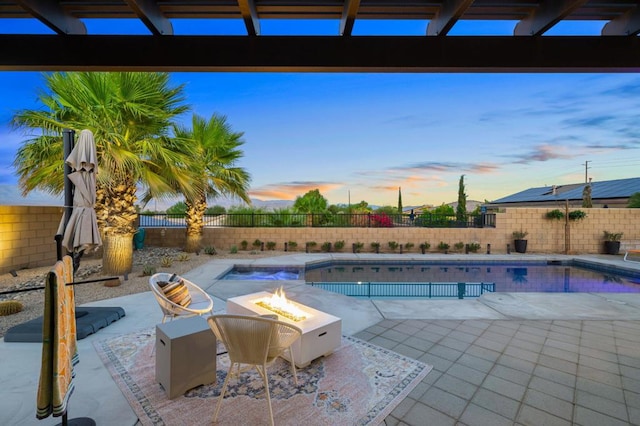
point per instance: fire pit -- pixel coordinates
(321, 332)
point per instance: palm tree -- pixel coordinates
(130, 115)
(215, 149)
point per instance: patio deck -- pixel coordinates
(510, 358)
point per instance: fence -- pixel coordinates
(324, 220)
(406, 289)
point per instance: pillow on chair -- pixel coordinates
(177, 292)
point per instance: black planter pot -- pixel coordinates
(612, 247)
(520, 246)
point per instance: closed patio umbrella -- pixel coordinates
(81, 230)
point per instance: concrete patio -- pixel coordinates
(505, 358)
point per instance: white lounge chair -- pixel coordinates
(200, 303)
(633, 253)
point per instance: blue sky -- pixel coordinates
(362, 136)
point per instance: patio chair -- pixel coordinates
(179, 297)
(253, 341)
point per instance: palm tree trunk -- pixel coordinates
(195, 223)
(116, 212)
(117, 257)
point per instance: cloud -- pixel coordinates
(291, 190)
(544, 153)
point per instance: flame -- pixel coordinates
(279, 304)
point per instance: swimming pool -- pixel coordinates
(572, 276)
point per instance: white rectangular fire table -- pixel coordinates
(321, 332)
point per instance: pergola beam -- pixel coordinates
(53, 16)
(320, 53)
(549, 13)
(349, 17)
(150, 14)
(628, 24)
(250, 16)
(447, 16)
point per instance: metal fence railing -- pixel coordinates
(327, 220)
(407, 289)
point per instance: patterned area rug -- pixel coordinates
(359, 384)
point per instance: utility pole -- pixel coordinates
(586, 167)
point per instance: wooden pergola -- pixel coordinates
(70, 47)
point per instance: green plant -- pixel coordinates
(271, 245)
(148, 270)
(519, 235)
(554, 214)
(311, 244)
(473, 247)
(326, 246)
(10, 307)
(458, 246)
(425, 246)
(357, 246)
(257, 243)
(577, 215)
(408, 246)
(244, 244)
(375, 246)
(338, 245)
(393, 245)
(233, 250)
(612, 236)
(292, 245)
(443, 247)
(166, 261)
(210, 250)
(183, 257)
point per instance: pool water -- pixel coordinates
(261, 274)
(508, 277)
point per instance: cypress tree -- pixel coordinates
(399, 200)
(461, 209)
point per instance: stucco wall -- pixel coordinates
(26, 234)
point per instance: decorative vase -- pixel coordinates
(612, 247)
(520, 246)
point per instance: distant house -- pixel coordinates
(610, 193)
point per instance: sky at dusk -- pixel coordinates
(362, 136)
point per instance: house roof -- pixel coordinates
(619, 188)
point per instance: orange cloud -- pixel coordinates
(291, 190)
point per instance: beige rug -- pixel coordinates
(359, 384)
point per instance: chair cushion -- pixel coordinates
(177, 292)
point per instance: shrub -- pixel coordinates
(326, 246)
(519, 235)
(357, 247)
(271, 245)
(183, 257)
(443, 247)
(474, 247)
(554, 214)
(577, 215)
(425, 246)
(292, 245)
(612, 236)
(244, 244)
(381, 221)
(210, 250)
(393, 245)
(408, 246)
(338, 245)
(234, 249)
(148, 270)
(257, 243)
(166, 262)
(458, 246)
(375, 246)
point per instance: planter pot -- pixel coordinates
(612, 247)
(520, 246)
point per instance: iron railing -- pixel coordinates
(326, 220)
(407, 289)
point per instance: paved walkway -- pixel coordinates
(511, 358)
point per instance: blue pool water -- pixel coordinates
(568, 277)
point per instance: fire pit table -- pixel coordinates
(321, 332)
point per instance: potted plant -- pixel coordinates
(443, 247)
(519, 243)
(612, 242)
(424, 247)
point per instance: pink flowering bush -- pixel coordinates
(381, 221)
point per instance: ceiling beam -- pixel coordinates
(548, 13)
(349, 13)
(53, 16)
(320, 53)
(627, 24)
(449, 13)
(149, 13)
(250, 16)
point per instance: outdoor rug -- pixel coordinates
(358, 384)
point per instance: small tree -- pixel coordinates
(634, 201)
(461, 209)
(586, 196)
(399, 200)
